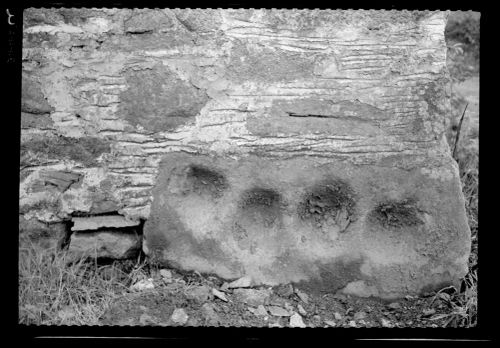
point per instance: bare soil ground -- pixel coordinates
(156, 306)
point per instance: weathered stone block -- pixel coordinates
(84, 150)
(36, 121)
(104, 244)
(48, 236)
(32, 99)
(159, 100)
(59, 180)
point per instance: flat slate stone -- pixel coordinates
(96, 222)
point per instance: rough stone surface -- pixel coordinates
(301, 146)
(252, 297)
(104, 244)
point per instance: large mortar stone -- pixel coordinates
(326, 224)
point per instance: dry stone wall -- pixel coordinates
(288, 145)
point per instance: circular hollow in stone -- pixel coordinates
(205, 180)
(396, 214)
(332, 199)
(261, 205)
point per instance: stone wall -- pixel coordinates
(288, 145)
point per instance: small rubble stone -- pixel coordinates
(285, 290)
(296, 321)
(302, 295)
(352, 323)
(288, 307)
(146, 319)
(428, 312)
(66, 313)
(301, 310)
(179, 316)
(337, 316)
(385, 322)
(208, 310)
(243, 282)
(278, 311)
(260, 311)
(219, 294)
(252, 297)
(359, 315)
(199, 293)
(394, 305)
(165, 274)
(224, 287)
(144, 284)
(330, 323)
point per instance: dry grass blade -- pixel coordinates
(458, 131)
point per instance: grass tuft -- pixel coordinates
(55, 292)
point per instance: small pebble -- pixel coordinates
(394, 305)
(179, 316)
(260, 311)
(330, 323)
(296, 321)
(385, 322)
(301, 310)
(302, 295)
(219, 295)
(428, 312)
(145, 284)
(359, 315)
(165, 273)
